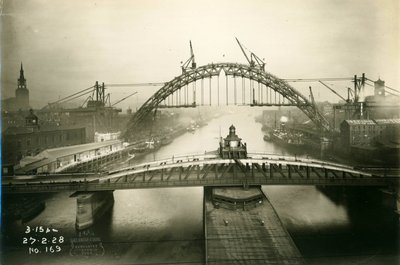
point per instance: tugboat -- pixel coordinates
(267, 137)
(140, 148)
(166, 140)
(146, 146)
(191, 129)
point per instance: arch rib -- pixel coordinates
(231, 69)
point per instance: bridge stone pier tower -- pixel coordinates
(91, 206)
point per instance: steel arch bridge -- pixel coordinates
(231, 69)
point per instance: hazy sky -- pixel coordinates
(67, 45)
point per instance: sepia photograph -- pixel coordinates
(212, 132)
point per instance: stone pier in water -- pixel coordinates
(242, 227)
(90, 206)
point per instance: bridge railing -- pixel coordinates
(198, 159)
(284, 162)
(229, 181)
(296, 159)
(170, 160)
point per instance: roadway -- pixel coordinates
(203, 170)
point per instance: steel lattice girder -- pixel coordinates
(217, 172)
(236, 70)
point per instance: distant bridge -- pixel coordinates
(204, 170)
(170, 94)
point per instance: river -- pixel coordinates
(164, 226)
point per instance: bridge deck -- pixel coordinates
(245, 240)
(203, 170)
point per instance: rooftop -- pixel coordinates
(13, 130)
(49, 155)
(76, 149)
(360, 122)
(373, 122)
(387, 121)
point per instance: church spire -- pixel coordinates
(22, 92)
(21, 73)
(21, 79)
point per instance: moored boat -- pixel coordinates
(285, 138)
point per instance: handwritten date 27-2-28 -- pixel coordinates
(40, 239)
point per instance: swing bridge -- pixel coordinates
(204, 170)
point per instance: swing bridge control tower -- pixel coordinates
(231, 146)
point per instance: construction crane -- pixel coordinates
(185, 66)
(312, 97)
(349, 92)
(254, 60)
(358, 86)
(122, 99)
(337, 94)
(71, 97)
